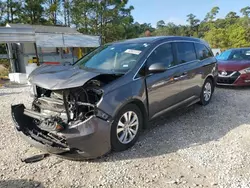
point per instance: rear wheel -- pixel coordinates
(126, 128)
(207, 92)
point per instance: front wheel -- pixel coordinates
(207, 92)
(126, 128)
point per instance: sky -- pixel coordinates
(151, 11)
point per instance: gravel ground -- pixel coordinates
(194, 147)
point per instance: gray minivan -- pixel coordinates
(103, 101)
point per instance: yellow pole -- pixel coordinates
(79, 53)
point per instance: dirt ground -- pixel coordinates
(195, 147)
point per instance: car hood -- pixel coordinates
(232, 65)
(56, 77)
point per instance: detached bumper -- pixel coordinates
(86, 140)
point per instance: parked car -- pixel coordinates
(105, 99)
(234, 67)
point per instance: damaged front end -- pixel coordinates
(66, 122)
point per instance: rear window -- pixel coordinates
(185, 52)
(202, 51)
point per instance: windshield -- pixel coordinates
(114, 57)
(239, 54)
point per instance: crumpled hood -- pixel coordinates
(56, 77)
(232, 65)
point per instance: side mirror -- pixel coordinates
(157, 68)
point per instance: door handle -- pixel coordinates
(183, 75)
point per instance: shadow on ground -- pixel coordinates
(234, 87)
(20, 183)
(196, 125)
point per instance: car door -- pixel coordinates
(162, 88)
(190, 70)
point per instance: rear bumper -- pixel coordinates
(239, 80)
(86, 140)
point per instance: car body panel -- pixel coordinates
(232, 65)
(229, 73)
(163, 90)
(55, 77)
(79, 139)
(116, 98)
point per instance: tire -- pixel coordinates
(208, 87)
(120, 142)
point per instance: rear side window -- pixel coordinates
(202, 51)
(162, 54)
(185, 52)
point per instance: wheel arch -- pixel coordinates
(140, 105)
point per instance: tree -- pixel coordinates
(53, 10)
(214, 12)
(32, 12)
(217, 38)
(13, 10)
(80, 10)
(66, 12)
(232, 15)
(193, 22)
(245, 11)
(110, 19)
(2, 11)
(210, 16)
(237, 36)
(160, 24)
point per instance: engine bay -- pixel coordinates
(58, 109)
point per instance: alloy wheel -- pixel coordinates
(207, 91)
(127, 127)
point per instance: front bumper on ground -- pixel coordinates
(235, 79)
(88, 139)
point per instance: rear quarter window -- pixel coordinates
(185, 52)
(202, 51)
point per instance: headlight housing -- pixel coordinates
(245, 71)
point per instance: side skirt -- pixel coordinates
(187, 102)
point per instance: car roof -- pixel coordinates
(160, 38)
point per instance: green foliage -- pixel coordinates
(231, 32)
(245, 11)
(160, 24)
(112, 20)
(32, 12)
(217, 37)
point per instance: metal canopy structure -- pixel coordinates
(46, 36)
(12, 35)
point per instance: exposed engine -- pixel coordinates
(55, 110)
